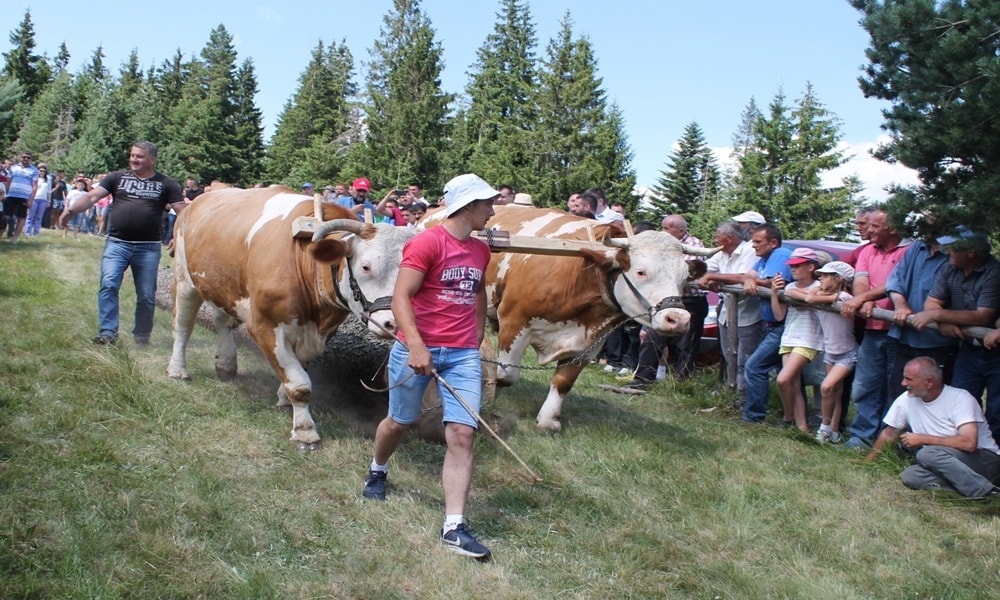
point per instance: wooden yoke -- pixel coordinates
(503, 241)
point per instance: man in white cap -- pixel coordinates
(440, 306)
(749, 221)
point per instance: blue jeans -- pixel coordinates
(757, 374)
(978, 369)
(871, 384)
(460, 367)
(144, 260)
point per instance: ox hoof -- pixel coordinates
(550, 425)
(305, 447)
(225, 374)
(179, 376)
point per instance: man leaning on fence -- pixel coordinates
(967, 294)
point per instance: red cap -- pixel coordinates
(362, 184)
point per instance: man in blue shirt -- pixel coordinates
(20, 195)
(909, 284)
(772, 259)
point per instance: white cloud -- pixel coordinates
(876, 175)
(269, 14)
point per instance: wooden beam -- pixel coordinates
(502, 241)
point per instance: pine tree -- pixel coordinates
(201, 126)
(21, 62)
(248, 122)
(502, 111)
(311, 139)
(48, 128)
(62, 59)
(406, 107)
(691, 178)
(578, 142)
(816, 211)
(937, 65)
(782, 156)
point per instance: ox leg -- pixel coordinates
(225, 352)
(562, 382)
(295, 388)
(186, 305)
(509, 370)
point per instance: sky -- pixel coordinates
(665, 63)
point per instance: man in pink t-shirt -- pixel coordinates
(877, 350)
(440, 307)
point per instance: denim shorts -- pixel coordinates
(846, 360)
(460, 367)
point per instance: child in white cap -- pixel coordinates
(840, 347)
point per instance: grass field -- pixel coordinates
(116, 482)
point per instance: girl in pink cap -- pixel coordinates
(802, 339)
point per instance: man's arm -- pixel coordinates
(83, 204)
(382, 209)
(888, 437)
(34, 190)
(966, 440)
(862, 296)
(935, 312)
(408, 283)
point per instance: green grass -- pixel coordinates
(116, 482)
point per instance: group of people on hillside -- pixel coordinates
(918, 378)
(440, 306)
(35, 198)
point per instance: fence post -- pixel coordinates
(732, 338)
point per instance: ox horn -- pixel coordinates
(616, 242)
(326, 227)
(695, 251)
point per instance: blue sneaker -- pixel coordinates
(460, 540)
(375, 485)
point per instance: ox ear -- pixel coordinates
(696, 269)
(603, 259)
(330, 250)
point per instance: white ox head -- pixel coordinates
(365, 263)
(648, 277)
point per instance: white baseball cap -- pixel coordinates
(750, 216)
(837, 267)
(464, 190)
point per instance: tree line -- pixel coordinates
(537, 120)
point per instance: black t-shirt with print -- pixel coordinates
(137, 210)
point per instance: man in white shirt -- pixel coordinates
(730, 267)
(604, 213)
(954, 447)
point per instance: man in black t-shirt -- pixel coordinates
(140, 195)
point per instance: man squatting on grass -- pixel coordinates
(440, 306)
(954, 447)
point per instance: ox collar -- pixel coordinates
(650, 310)
(367, 308)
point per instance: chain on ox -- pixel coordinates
(234, 249)
(561, 305)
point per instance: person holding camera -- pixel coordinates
(390, 207)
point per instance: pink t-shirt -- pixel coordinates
(454, 271)
(878, 264)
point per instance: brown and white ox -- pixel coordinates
(234, 249)
(563, 306)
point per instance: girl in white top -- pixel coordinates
(840, 347)
(802, 339)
